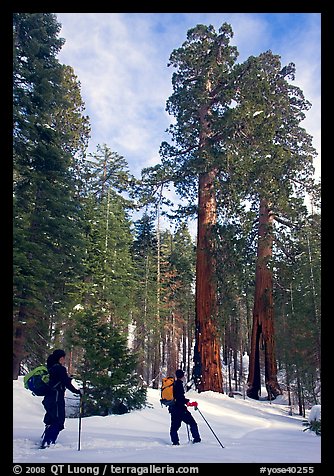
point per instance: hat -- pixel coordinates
(179, 373)
(57, 354)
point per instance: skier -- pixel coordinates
(54, 401)
(179, 412)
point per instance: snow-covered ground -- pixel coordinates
(250, 431)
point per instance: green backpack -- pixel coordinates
(37, 381)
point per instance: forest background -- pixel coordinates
(119, 293)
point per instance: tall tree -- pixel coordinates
(203, 91)
(298, 305)
(145, 296)
(46, 212)
(104, 287)
(276, 153)
(181, 263)
(235, 283)
(263, 334)
(108, 264)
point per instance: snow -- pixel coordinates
(315, 413)
(250, 431)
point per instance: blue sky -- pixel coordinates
(121, 62)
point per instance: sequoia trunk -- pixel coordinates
(263, 318)
(207, 352)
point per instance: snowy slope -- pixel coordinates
(250, 431)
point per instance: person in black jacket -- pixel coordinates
(179, 412)
(54, 401)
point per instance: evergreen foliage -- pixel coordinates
(177, 298)
(298, 307)
(108, 264)
(144, 313)
(314, 425)
(203, 93)
(106, 367)
(47, 237)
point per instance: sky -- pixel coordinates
(121, 62)
(250, 432)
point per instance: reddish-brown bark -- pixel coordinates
(263, 316)
(207, 340)
(207, 349)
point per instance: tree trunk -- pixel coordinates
(18, 342)
(207, 341)
(156, 373)
(172, 346)
(139, 346)
(189, 333)
(263, 318)
(156, 331)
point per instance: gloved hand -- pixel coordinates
(192, 404)
(79, 391)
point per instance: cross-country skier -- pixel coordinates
(179, 412)
(54, 401)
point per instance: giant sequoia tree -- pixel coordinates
(203, 90)
(274, 170)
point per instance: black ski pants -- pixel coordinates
(54, 419)
(179, 415)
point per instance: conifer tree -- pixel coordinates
(235, 288)
(203, 91)
(106, 367)
(107, 265)
(274, 171)
(46, 212)
(298, 305)
(181, 265)
(145, 296)
(98, 324)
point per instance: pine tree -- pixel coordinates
(181, 265)
(106, 367)
(145, 297)
(97, 331)
(235, 268)
(298, 305)
(46, 212)
(107, 265)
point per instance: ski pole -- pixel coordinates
(80, 414)
(188, 433)
(196, 408)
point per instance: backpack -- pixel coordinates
(37, 381)
(167, 391)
